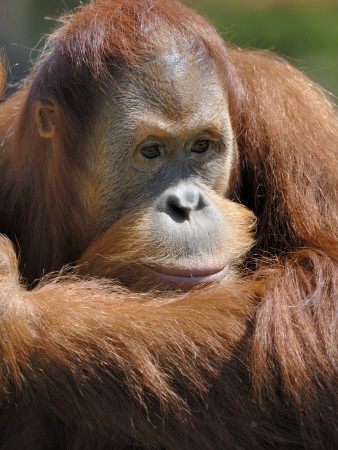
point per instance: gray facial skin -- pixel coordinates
(167, 143)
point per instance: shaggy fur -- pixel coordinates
(250, 363)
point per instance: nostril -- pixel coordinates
(181, 201)
(178, 208)
(184, 201)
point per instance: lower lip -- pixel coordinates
(193, 279)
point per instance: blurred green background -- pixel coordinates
(305, 31)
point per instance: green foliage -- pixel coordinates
(305, 31)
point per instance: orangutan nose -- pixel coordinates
(180, 201)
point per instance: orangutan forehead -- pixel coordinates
(175, 85)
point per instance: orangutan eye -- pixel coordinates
(200, 146)
(151, 151)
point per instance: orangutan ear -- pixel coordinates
(45, 118)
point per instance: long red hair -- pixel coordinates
(251, 364)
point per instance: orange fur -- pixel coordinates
(3, 76)
(250, 363)
(126, 248)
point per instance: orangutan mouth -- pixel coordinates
(190, 277)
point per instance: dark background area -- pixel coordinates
(304, 31)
